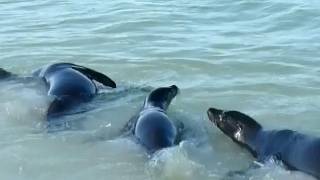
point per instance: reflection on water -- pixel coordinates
(259, 57)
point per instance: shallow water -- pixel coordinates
(259, 57)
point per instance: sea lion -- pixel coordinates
(70, 85)
(151, 126)
(297, 151)
(4, 74)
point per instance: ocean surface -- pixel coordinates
(260, 57)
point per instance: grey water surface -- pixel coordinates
(257, 56)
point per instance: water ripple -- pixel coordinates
(261, 57)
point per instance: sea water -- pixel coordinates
(258, 57)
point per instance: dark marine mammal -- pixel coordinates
(151, 126)
(297, 151)
(4, 74)
(70, 85)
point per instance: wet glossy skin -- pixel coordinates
(4, 74)
(70, 85)
(153, 128)
(296, 150)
